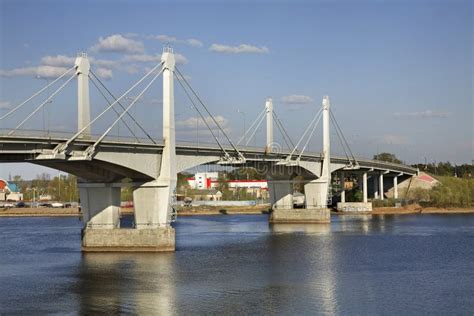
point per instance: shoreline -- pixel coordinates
(233, 210)
(412, 209)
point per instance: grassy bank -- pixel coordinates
(452, 192)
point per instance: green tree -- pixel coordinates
(387, 157)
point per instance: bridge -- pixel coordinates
(101, 162)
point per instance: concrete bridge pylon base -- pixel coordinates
(308, 215)
(161, 239)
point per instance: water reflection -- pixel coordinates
(318, 229)
(127, 283)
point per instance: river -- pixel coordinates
(364, 265)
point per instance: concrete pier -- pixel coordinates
(128, 240)
(315, 215)
(153, 200)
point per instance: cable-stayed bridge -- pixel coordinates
(101, 162)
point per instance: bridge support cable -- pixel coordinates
(123, 108)
(90, 151)
(309, 137)
(41, 105)
(254, 131)
(240, 157)
(202, 117)
(259, 118)
(116, 112)
(341, 141)
(317, 118)
(63, 147)
(283, 131)
(342, 138)
(35, 94)
(255, 125)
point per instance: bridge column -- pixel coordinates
(269, 114)
(343, 190)
(364, 187)
(100, 205)
(153, 201)
(395, 187)
(316, 191)
(281, 193)
(83, 106)
(376, 186)
(381, 185)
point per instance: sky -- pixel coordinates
(399, 73)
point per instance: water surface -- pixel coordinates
(411, 264)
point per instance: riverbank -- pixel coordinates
(42, 211)
(412, 209)
(49, 212)
(230, 210)
(223, 210)
(182, 211)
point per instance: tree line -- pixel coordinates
(438, 169)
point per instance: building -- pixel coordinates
(9, 191)
(259, 188)
(202, 180)
(209, 180)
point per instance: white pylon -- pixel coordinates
(269, 114)
(83, 104)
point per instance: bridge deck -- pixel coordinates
(28, 144)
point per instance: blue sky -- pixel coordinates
(399, 73)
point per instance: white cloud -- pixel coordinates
(422, 114)
(190, 123)
(173, 40)
(104, 62)
(104, 73)
(240, 49)
(117, 43)
(165, 38)
(194, 42)
(5, 104)
(52, 67)
(44, 72)
(180, 59)
(58, 61)
(296, 99)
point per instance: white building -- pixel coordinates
(202, 180)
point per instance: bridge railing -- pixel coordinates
(316, 156)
